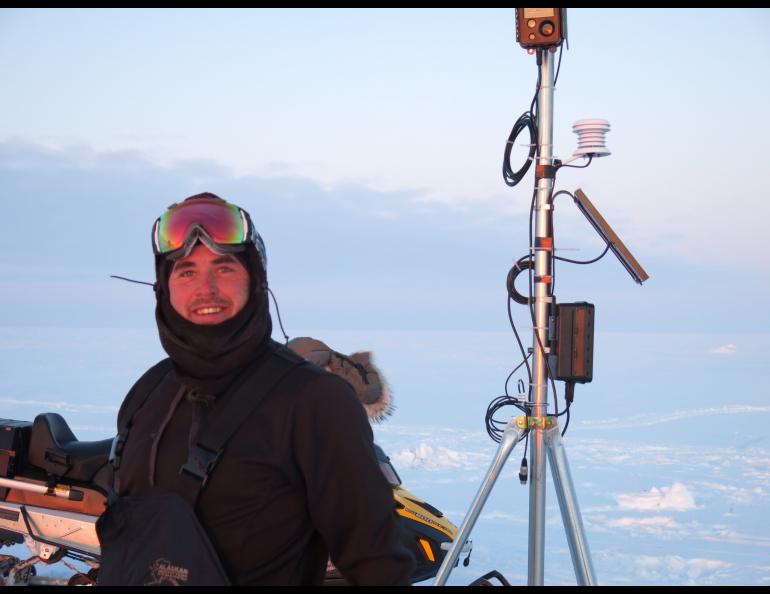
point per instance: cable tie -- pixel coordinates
(545, 348)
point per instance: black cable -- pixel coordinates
(590, 158)
(495, 428)
(534, 106)
(553, 265)
(510, 375)
(558, 65)
(528, 121)
(521, 265)
(560, 192)
(569, 395)
(280, 323)
(525, 356)
(599, 257)
(525, 121)
(604, 253)
(132, 280)
(526, 442)
(518, 339)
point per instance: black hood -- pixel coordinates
(209, 358)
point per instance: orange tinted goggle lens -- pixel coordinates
(223, 222)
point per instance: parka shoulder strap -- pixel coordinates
(135, 399)
(142, 389)
(224, 423)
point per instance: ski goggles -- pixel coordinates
(221, 226)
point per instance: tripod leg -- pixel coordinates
(512, 435)
(570, 511)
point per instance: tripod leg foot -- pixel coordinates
(512, 435)
(570, 510)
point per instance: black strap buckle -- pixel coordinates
(200, 463)
(117, 449)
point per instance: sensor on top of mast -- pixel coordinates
(540, 27)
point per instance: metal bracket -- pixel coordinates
(535, 422)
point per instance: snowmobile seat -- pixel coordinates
(54, 448)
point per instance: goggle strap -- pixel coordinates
(155, 239)
(246, 226)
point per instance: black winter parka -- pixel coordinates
(298, 482)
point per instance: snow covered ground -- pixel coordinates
(674, 495)
(654, 513)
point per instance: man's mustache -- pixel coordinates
(209, 302)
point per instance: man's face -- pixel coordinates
(207, 288)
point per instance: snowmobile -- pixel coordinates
(53, 488)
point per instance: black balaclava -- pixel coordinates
(208, 358)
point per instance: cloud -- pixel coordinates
(725, 349)
(60, 406)
(740, 494)
(728, 536)
(500, 516)
(429, 458)
(359, 250)
(649, 420)
(658, 525)
(666, 567)
(673, 498)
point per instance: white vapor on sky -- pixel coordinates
(725, 349)
(430, 458)
(674, 498)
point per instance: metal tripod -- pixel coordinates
(544, 430)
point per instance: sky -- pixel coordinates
(367, 146)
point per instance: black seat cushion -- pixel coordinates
(54, 448)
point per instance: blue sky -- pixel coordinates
(412, 101)
(367, 146)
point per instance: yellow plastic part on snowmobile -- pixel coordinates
(416, 509)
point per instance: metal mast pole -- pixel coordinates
(543, 244)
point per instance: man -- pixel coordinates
(298, 481)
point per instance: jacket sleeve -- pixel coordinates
(350, 502)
